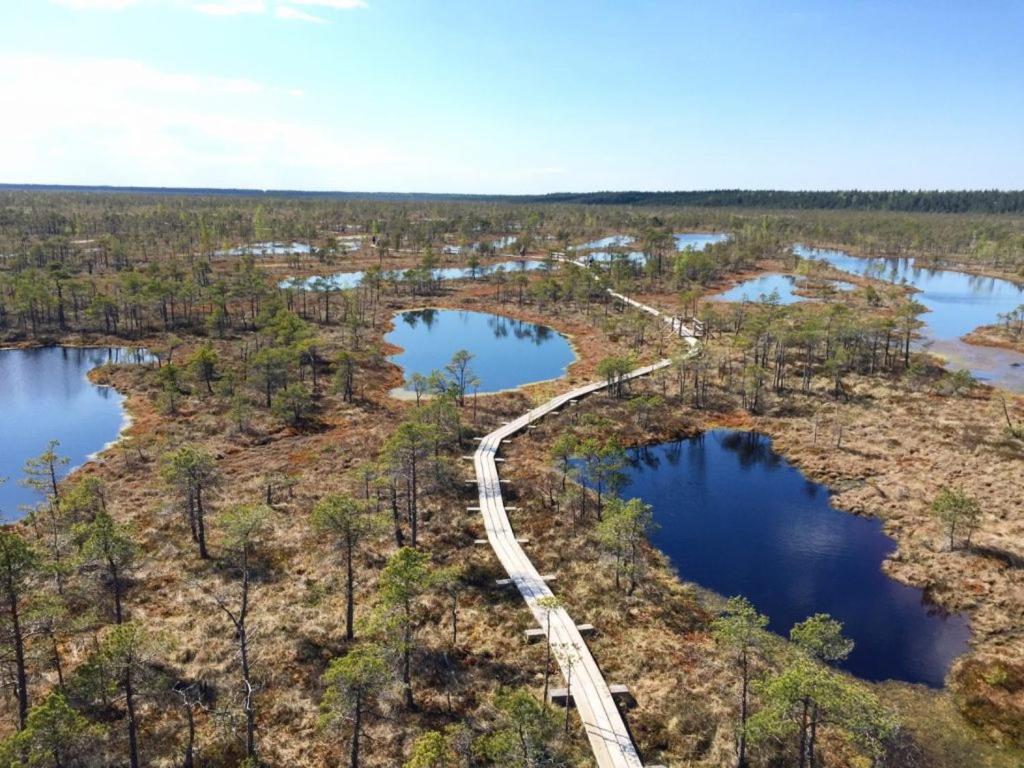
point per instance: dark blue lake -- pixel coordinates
(507, 353)
(957, 303)
(737, 518)
(46, 396)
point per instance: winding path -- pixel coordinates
(609, 737)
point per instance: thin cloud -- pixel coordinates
(288, 13)
(287, 10)
(338, 5)
(124, 121)
(96, 5)
(231, 7)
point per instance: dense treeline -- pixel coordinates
(60, 225)
(920, 201)
(128, 265)
(103, 232)
(917, 201)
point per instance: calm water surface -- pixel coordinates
(735, 517)
(763, 285)
(957, 303)
(685, 241)
(500, 244)
(346, 280)
(612, 241)
(46, 396)
(265, 249)
(507, 353)
(504, 242)
(698, 241)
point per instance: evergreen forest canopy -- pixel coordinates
(911, 201)
(914, 201)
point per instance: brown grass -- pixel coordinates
(996, 336)
(898, 448)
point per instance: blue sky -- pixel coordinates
(513, 95)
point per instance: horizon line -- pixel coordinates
(12, 186)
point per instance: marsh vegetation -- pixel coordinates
(275, 565)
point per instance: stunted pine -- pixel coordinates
(352, 684)
(19, 563)
(957, 511)
(741, 629)
(347, 522)
(192, 473)
(108, 554)
(402, 584)
(243, 527)
(622, 531)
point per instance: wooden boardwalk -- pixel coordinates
(677, 324)
(609, 737)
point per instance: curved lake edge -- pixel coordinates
(958, 304)
(715, 600)
(733, 280)
(126, 403)
(993, 361)
(127, 417)
(800, 287)
(304, 282)
(400, 393)
(973, 270)
(965, 269)
(989, 336)
(624, 240)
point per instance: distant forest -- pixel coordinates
(921, 201)
(966, 201)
